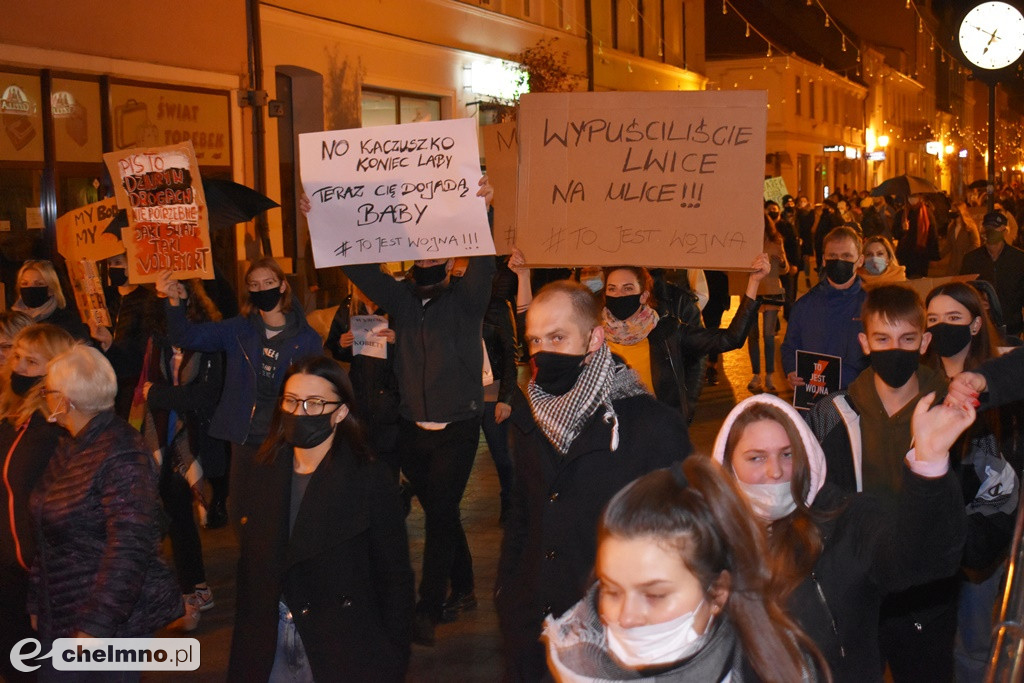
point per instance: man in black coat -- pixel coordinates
(1002, 265)
(585, 428)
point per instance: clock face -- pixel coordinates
(992, 35)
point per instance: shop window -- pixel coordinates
(387, 108)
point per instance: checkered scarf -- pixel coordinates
(562, 418)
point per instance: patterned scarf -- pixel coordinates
(562, 418)
(633, 329)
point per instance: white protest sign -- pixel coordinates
(775, 189)
(365, 341)
(670, 179)
(394, 193)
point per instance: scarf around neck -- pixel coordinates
(37, 314)
(563, 417)
(632, 330)
(578, 650)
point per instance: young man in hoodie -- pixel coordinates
(585, 428)
(865, 433)
(827, 318)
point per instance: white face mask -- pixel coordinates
(58, 411)
(669, 641)
(594, 284)
(771, 502)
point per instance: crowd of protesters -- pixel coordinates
(867, 535)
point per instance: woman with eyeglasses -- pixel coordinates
(325, 588)
(258, 345)
(97, 519)
(27, 441)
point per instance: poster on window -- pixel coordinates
(168, 223)
(394, 193)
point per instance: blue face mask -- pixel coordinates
(876, 265)
(594, 284)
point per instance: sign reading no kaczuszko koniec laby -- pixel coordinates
(394, 193)
(673, 179)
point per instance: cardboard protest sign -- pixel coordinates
(82, 241)
(394, 193)
(80, 232)
(671, 179)
(821, 374)
(365, 341)
(775, 189)
(501, 152)
(92, 304)
(169, 227)
(924, 285)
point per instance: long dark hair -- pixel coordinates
(984, 344)
(708, 521)
(350, 429)
(795, 542)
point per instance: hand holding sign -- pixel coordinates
(394, 193)
(367, 336)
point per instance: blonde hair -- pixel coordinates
(49, 275)
(48, 341)
(890, 252)
(85, 377)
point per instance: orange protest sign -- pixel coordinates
(168, 221)
(501, 151)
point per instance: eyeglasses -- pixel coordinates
(44, 392)
(312, 406)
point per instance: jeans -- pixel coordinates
(437, 465)
(497, 443)
(290, 663)
(975, 617)
(771, 325)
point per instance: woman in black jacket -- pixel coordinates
(655, 346)
(834, 557)
(373, 378)
(27, 441)
(41, 298)
(325, 588)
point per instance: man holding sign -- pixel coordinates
(439, 364)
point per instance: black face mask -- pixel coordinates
(773, 215)
(556, 373)
(306, 431)
(431, 275)
(895, 367)
(839, 271)
(266, 299)
(34, 297)
(950, 339)
(22, 384)
(622, 307)
(118, 276)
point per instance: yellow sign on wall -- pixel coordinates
(151, 117)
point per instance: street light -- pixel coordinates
(883, 141)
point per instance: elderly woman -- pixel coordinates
(41, 298)
(27, 441)
(98, 570)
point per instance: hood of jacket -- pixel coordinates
(815, 456)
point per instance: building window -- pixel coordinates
(388, 107)
(810, 99)
(824, 104)
(799, 98)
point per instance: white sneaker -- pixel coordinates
(754, 386)
(189, 622)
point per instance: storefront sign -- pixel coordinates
(671, 179)
(394, 193)
(876, 156)
(149, 117)
(834, 148)
(20, 118)
(76, 120)
(169, 229)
